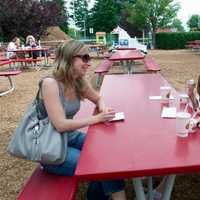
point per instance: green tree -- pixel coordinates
(24, 17)
(80, 14)
(177, 24)
(104, 15)
(194, 23)
(152, 14)
(64, 23)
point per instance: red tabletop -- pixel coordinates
(143, 144)
(125, 48)
(120, 55)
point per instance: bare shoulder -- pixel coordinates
(49, 80)
(50, 84)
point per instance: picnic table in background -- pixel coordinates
(28, 51)
(98, 48)
(129, 56)
(8, 74)
(144, 144)
(194, 45)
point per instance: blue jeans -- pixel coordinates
(98, 190)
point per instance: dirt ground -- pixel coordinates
(176, 66)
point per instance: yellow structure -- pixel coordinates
(101, 37)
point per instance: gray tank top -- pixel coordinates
(70, 109)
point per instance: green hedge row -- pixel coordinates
(176, 40)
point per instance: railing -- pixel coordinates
(145, 41)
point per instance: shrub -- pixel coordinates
(175, 40)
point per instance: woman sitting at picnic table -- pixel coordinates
(12, 46)
(31, 42)
(61, 94)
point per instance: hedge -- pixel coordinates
(176, 40)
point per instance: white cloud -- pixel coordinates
(188, 8)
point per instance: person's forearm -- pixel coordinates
(73, 124)
(100, 104)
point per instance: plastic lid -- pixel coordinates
(183, 95)
(190, 82)
(165, 87)
(184, 115)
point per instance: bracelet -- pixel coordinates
(198, 123)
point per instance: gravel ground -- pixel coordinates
(176, 66)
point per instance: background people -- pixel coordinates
(12, 46)
(31, 42)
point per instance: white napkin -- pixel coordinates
(168, 112)
(118, 116)
(159, 97)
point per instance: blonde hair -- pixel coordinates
(64, 71)
(29, 37)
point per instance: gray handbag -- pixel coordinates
(37, 140)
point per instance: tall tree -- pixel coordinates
(177, 24)
(23, 17)
(152, 14)
(64, 22)
(124, 23)
(194, 23)
(104, 15)
(80, 14)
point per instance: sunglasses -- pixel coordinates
(85, 57)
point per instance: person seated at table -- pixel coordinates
(31, 42)
(61, 95)
(12, 46)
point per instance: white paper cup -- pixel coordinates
(165, 92)
(183, 98)
(182, 123)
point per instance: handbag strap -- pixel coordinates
(37, 98)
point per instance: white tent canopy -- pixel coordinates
(124, 39)
(121, 32)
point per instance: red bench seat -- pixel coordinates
(44, 186)
(26, 60)
(5, 62)
(151, 65)
(8, 74)
(101, 69)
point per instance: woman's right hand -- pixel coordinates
(105, 116)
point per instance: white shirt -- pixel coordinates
(11, 47)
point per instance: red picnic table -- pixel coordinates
(128, 56)
(26, 50)
(144, 144)
(98, 48)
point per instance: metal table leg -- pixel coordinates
(139, 190)
(150, 188)
(130, 65)
(168, 186)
